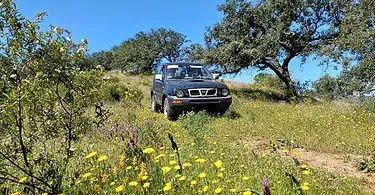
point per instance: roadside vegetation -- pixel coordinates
(69, 126)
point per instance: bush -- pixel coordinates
(122, 92)
(196, 124)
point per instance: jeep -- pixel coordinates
(179, 87)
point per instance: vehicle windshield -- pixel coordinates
(187, 72)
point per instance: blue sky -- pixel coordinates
(107, 23)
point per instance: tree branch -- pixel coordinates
(23, 170)
(23, 183)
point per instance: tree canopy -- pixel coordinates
(139, 53)
(269, 34)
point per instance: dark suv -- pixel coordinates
(179, 87)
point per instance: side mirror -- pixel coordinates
(216, 76)
(159, 77)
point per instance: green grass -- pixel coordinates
(332, 128)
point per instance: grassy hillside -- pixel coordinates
(303, 148)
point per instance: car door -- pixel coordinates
(159, 85)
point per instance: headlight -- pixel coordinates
(180, 93)
(225, 92)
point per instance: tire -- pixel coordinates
(155, 107)
(168, 112)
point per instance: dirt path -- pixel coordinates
(343, 165)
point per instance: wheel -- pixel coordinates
(168, 112)
(154, 105)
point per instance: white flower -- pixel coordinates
(81, 50)
(68, 39)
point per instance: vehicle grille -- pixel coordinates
(205, 101)
(204, 92)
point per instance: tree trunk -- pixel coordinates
(283, 73)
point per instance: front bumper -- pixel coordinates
(184, 104)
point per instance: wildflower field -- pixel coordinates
(255, 148)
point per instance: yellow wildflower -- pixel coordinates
(159, 156)
(304, 166)
(165, 169)
(222, 169)
(129, 167)
(146, 185)
(214, 181)
(172, 162)
(200, 160)
(167, 187)
(186, 165)
(92, 154)
(133, 183)
(220, 175)
(16, 193)
(245, 178)
(219, 164)
(23, 179)
(112, 183)
(233, 190)
(148, 150)
(177, 176)
(246, 145)
(45, 193)
(202, 175)
(212, 152)
(218, 190)
(120, 188)
(205, 189)
(102, 158)
(306, 172)
(86, 175)
(182, 178)
(193, 183)
(247, 193)
(177, 167)
(305, 188)
(114, 170)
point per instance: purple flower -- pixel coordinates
(266, 187)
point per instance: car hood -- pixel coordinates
(191, 84)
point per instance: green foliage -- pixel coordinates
(269, 81)
(269, 34)
(196, 124)
(193, 53)
(326, 87)
(139, 54)
(231, 114)
(367, 165)
(45, 100)
(122, 92)
(103, 58)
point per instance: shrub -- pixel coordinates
(196, 124)
(122, 92)
(45, 103)
(367, 165)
